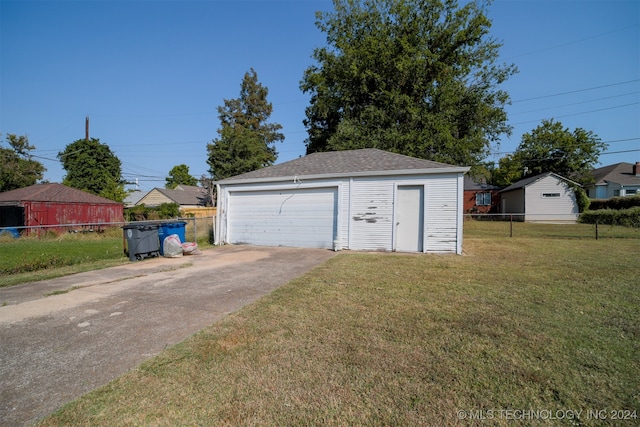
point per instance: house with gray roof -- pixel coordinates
(189, 197)
(617, 180)
(365, 199)
(547, 197)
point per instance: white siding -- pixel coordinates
(371, 217)
(512, 201)
(541, 206)
(294, 217)
(441, 225)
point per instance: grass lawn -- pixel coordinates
(518, 331)
(29, 259)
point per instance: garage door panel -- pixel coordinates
(301, 217)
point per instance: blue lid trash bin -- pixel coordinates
(166, 229)
(10, 231)
(142, 241)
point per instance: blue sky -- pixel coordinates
(151, 74)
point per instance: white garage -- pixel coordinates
(360, 199)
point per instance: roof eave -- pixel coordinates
(429, 171)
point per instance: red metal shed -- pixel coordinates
(55, 204)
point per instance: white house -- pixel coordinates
(360, 199)
(617, 180)
(542, 198)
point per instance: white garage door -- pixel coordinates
(299, 218)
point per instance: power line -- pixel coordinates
(577, 114)
(576, 103)
(575, 91)
(570, 43)
(604, 142)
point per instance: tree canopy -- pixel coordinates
(551, 147)
(417, 77)
(91, 166)
(17, 168)
(179, 175)
(246, 141)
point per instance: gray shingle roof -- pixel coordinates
(193, 196)
(530, 180)
(471, 184)
(56, 193)
(340, 163)
(619, 173)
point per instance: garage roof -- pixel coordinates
(368, 161)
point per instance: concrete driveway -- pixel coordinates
(55, 348)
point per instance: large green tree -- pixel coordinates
(247, 139)
(17, 168)
(91, 166)
(417, 77)
(179, 175)
(551, 147)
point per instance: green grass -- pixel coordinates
(30, 259)
(525, 323)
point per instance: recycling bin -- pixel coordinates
(166, 229)
(142, 241)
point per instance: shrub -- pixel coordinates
(615, 203)
(582, 199)
(144, 213)
(625, 217)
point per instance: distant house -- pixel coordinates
(618, 180)
(542, 198)
(55, 204)
(480, 197)
(192, 200)
(133, 198)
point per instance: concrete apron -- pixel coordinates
(55, 348)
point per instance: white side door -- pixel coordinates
(410, 218)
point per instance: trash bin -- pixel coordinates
(10, 231)
(142, 241)
(166, 229)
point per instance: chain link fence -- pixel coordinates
(28, 249)
(542, 225)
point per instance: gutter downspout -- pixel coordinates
(218, 225)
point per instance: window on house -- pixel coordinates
(483, 199)
(616, 193)
(550, 195)
(631, 192)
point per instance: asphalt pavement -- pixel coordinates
(62, 338)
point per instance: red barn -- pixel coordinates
(55, 204)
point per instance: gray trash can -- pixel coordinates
(142, 241)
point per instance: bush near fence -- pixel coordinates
(625, 217)
(615, 203)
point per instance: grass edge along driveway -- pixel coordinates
(521, 331)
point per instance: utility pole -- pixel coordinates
(86, 129)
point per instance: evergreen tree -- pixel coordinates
(246, 138)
